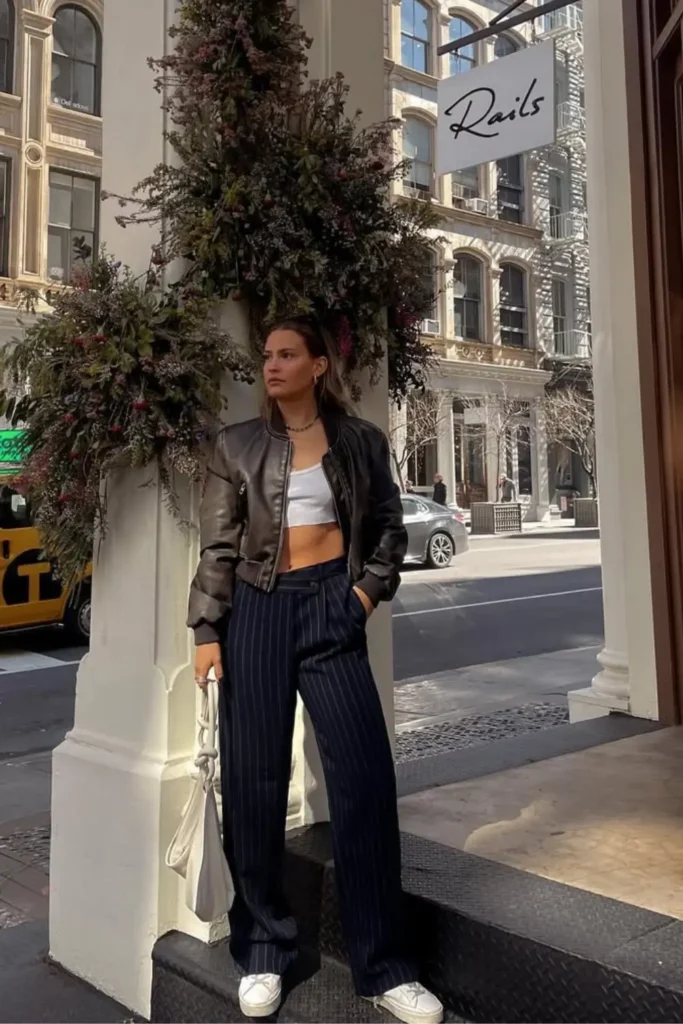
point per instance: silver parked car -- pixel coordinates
(435, 533)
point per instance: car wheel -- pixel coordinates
(441, 551)
(78, 613)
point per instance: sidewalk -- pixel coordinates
(24, 839)
(32, 989)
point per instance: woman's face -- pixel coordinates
(289, 370)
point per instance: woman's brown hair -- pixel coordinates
(330, 390)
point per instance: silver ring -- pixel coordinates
(199, 680)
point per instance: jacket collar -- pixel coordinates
(331, 422)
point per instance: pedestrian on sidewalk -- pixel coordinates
(410, 488)
(508, 491)
(440, 495)
(301, 537)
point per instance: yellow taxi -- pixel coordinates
(30, 593)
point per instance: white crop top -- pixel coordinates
(309, 498)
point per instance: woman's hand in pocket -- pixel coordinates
(207, 657)
(364, 600)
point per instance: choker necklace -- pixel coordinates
(301, 430)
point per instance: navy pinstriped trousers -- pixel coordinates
(309, 635)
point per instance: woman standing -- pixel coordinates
(301, 537)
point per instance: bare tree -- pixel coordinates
(498, 417)
(425, 414)
(570, 422)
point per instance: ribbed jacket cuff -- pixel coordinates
(206, 634)
(373, 586)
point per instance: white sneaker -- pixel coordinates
(260, 994)
(412, 1004)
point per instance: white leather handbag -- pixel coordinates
(196, 850)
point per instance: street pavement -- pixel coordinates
(505, 599)
(513, 623)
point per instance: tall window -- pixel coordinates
(467, 286)
(430, 288)
(418, 147)
(6, 44)
(5, 196)
(560, 316)
(466, 58)
(511, 189)
(72, 231)
(561, 78)
(75, 61)
(556, 203)
(465, 184)
(504, 46)
(415, 35)
(513, 307)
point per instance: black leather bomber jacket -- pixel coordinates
(243, 510)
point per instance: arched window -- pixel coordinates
(6, 45)
(513, 306)
(466, 58)
(416, 35)
(76, 61)
(467, 286)
(418, 147)
(505, 46)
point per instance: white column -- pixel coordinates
(539, 464)
(627, 677)
(445, 447)
(339, 46)
(121, 777)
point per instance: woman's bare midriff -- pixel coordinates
(311, 545)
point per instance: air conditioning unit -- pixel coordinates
(431, 327)
(416, 193)
(477, 205)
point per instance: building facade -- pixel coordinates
(510, 261)
(50, 145)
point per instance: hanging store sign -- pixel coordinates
(497, 110)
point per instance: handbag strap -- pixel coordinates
(206, 737)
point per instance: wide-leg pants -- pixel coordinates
(309, 635)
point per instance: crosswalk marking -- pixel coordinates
(29, 661)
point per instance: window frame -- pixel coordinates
(7, 87)
(5, 233)
(97, 98)
(409, 182)
(454, 58)
(555, 211)
(428, 42)
(56, 169)
(561, 317)
(504, 184)
(431, 271)
(466, 302)
(508, 331)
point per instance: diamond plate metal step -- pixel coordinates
(193, 982)
(499, 944)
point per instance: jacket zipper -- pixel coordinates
(278, 554)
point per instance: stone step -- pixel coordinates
(194, 982)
